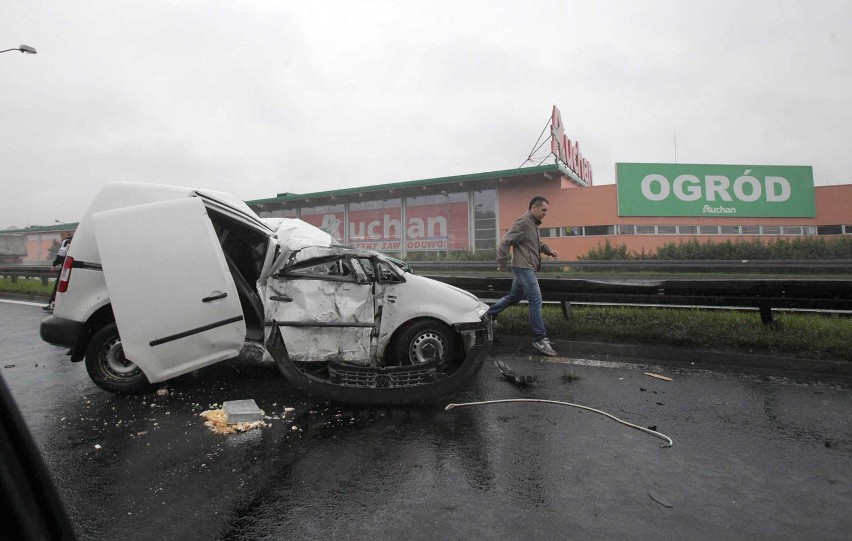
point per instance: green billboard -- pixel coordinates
(682, 189)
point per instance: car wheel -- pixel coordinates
(424, 341)
(109, 368)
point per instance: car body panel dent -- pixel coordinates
(324, 320)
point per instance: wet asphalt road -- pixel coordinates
(752, 457)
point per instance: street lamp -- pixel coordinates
(23, 48)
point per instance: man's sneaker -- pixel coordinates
(48, 308)
(544, 346)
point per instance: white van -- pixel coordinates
(163, 280)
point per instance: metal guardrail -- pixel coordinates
(813, 265)
(763, 294)
(45, 272)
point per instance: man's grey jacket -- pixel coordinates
(527, 246)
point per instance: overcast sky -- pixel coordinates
(261, 97)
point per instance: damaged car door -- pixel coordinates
(174, 299)
(325, 307)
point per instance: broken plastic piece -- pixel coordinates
(242, 411)
(513, 376)
(660, 499)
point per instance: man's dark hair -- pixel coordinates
(537, 201)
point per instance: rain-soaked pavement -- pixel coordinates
(752, 456)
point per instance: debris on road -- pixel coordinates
(569, 376)
(660, 435)
(513, 376)
(218, 424)
(664, 378)
(241, 411)
(660, 499)
(162, 392)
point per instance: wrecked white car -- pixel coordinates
(162, 280)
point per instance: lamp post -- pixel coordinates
(23, 48)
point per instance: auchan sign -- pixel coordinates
(429, 227)
(655, 189)
(566, 151)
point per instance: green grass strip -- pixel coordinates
(812, 336)
(26, 286)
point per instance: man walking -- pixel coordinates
(527, 248)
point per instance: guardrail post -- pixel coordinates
(44, 280)
(765, 313)
(14, 278)
(567, 313)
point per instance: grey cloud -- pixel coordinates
(261, 97)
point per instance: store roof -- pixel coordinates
(70, 226)
(410, 184)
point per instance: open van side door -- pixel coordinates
(174, 299)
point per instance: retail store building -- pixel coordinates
(648, 206)
(471, 212)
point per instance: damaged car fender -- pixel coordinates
(376, 386)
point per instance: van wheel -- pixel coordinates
(424, 341)
(107, 366)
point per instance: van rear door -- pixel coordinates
(174, 299)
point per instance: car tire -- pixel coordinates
(423, 341)
(107, 366)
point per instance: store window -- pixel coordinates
(277, 213)
(771, 230)
(667, 230)
(751, 230)
(829, 230)
(730, 230)
(708, 229)
(437, 222)
(599, 230)
(329, 218)
(792, 229)
(626, 229)
(645, 229)
(687, 229)
(485, 219)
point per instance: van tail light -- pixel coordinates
(65, 275)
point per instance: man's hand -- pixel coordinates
(553, 253)
(501, 268)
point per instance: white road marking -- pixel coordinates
(590, 362)
(28, 303)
